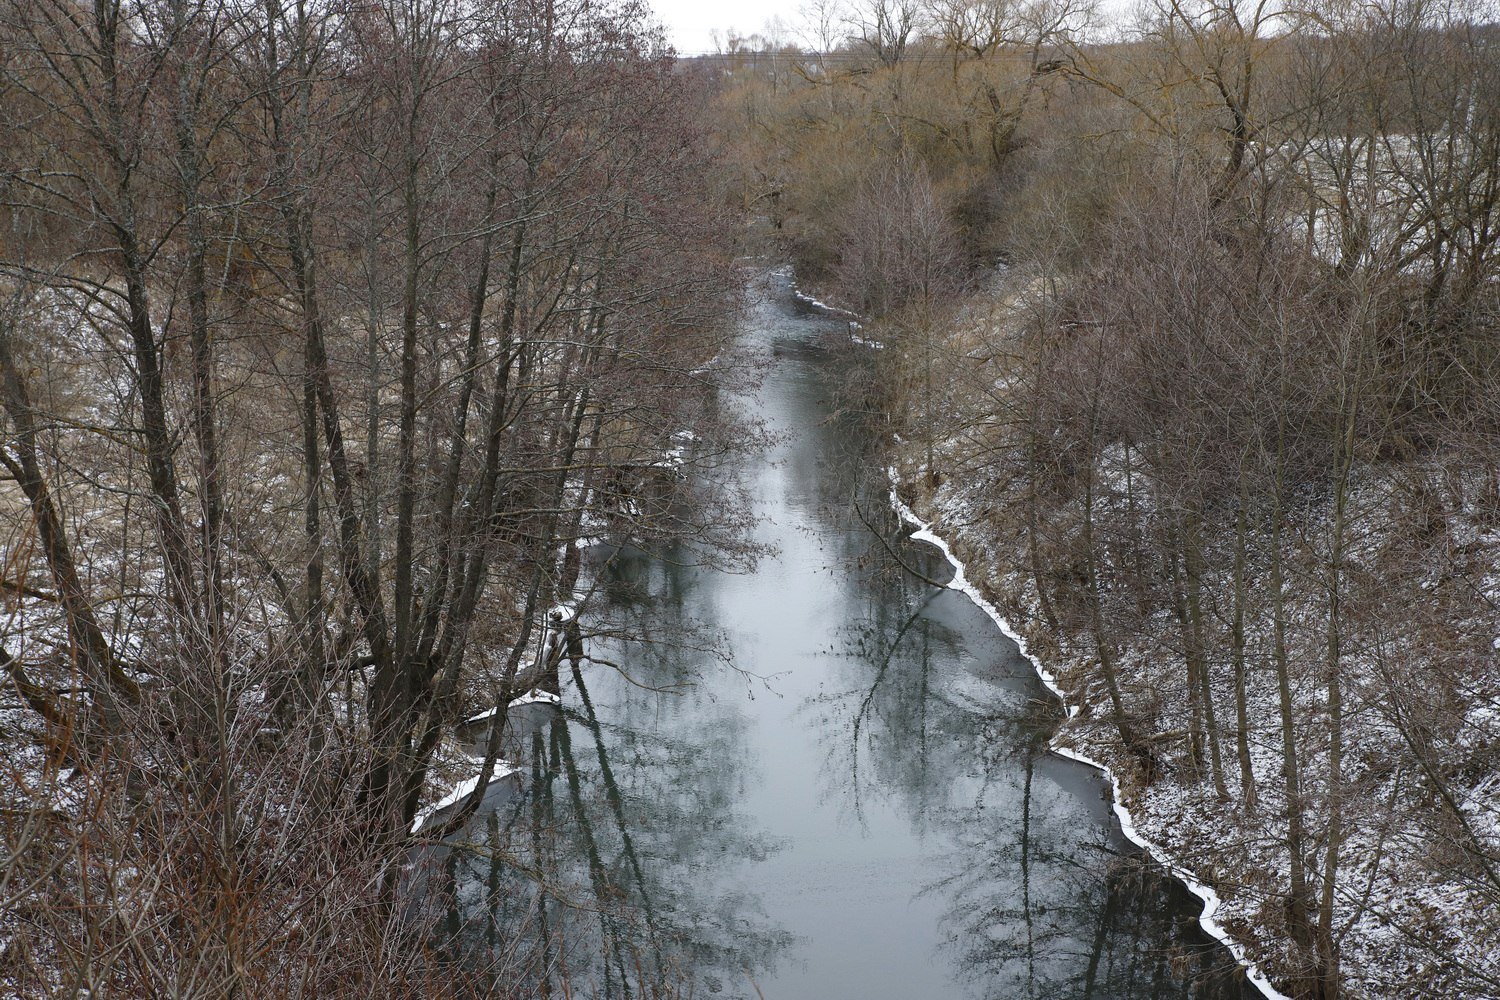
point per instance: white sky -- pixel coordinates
(690, 23)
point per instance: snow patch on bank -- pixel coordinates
(1210, 898)
(537, 697)
(852, 317)
(502, 769)
(808, 300)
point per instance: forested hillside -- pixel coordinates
(330, 334)
(1189, 344)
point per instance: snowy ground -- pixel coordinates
(1409, 929)
(1417, 907)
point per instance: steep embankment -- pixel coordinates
(1397, 909)
(1412, 800)
(1211, 901)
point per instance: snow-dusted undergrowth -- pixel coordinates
(1411, 925)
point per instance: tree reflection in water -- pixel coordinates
(899, 741)
(599, 875)
(1042, 895)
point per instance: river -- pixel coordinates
(822, 780)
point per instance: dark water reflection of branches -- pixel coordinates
(1042, 896)
(601, 864)
(618, 867)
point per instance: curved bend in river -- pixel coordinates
(859, 807)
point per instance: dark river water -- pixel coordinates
(857, 805)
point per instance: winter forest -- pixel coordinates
(934, 499)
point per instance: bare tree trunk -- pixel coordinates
(190, 167)
(284, 137)
(1192, 558)
(1175, 548)
(124, 222)
(1299, 918)
(1096, 617)
(1328, 955)
(110, 684)
(1237, 652)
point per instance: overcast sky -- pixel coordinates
(691, 23)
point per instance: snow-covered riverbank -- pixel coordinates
(1408, 926)
(1416, 788)
(1211, 901)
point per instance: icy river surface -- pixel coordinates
(858, 805)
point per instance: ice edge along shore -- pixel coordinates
(1210, 898)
